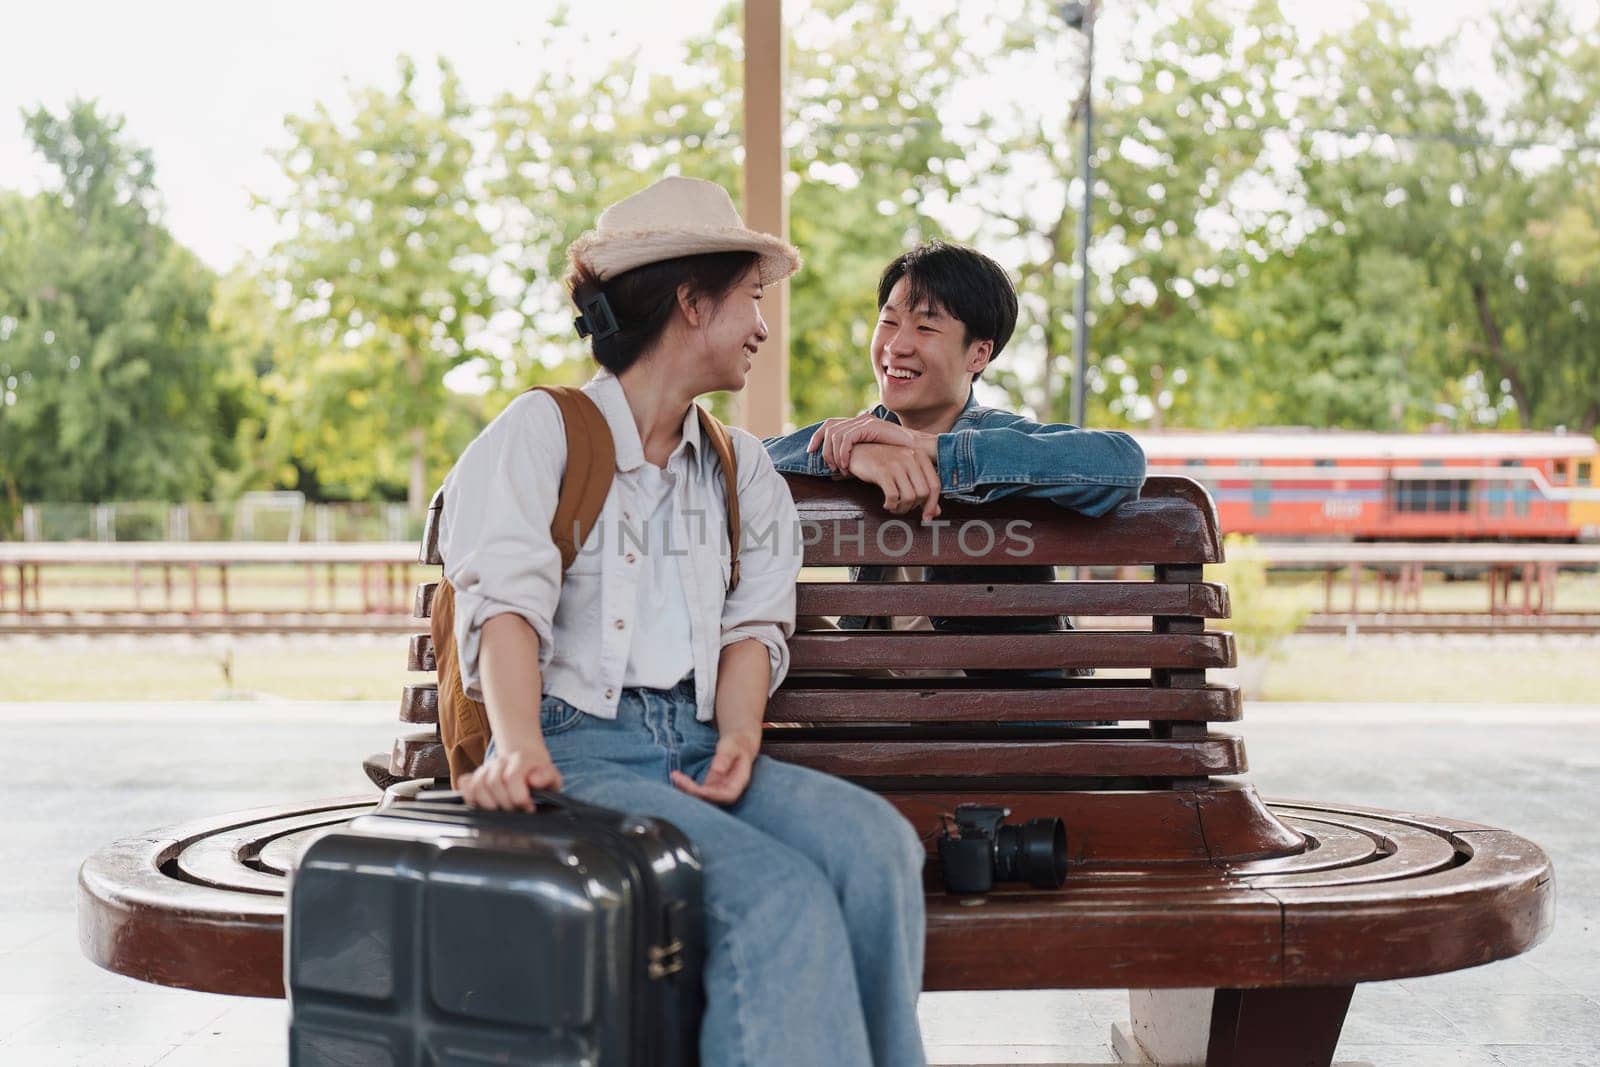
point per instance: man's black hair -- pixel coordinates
(963, 283)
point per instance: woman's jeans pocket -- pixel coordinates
(556, 716)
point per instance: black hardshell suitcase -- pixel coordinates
(428, 934)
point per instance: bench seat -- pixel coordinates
(1377, 895)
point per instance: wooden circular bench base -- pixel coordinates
(1374, 895)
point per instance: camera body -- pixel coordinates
(977, 849)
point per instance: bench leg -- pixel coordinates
(1233, 1027)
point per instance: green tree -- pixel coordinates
(871, 158)
(1491, 196)
(257, 335)
(110, 381)
(866, 150)
(1187, 204)
(1344, 232)
(386, 266)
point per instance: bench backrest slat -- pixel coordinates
(964, 762)
(843, 524)
(953, 764)
(855, 650)
(1098, 598)
(866, 700)
(862, 700)
(843, 650)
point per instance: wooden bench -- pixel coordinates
(1239, 927)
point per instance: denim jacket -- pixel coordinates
(990, 454)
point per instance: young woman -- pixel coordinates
(637, 680)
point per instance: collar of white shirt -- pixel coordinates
(605, 389)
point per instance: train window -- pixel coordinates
(1583, 476)
(1522, 497)
(1500, 491)
(1520, 490)
(1448, 495)
(1260, 497)
(1558, 472)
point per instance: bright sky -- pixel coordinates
(206, 85)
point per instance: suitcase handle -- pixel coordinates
(542, 798)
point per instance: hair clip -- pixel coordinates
(597, 318)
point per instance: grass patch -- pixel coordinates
(1489, 670)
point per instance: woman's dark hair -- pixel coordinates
(642, 299)
(962, 282)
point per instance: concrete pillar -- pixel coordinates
(765, 402)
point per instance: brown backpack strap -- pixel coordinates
(722, 444)
(463, 722)
(591, 464)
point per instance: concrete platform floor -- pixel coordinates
(85, 774)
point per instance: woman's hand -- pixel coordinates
(730, 770)
(503, 783)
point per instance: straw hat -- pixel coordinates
(677, 217)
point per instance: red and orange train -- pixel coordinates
(1338, 485)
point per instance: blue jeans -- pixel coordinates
(813, 887)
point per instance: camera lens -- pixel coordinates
(1034, 852)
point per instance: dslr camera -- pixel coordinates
(977, 849)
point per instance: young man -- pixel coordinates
(945, 312)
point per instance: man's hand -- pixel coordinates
(503, 783)
(908, 478)
(837, 439)
(730, 770)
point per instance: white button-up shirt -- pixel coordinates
(659, 659)
(495, 539)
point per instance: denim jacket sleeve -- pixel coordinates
(789, 453)
(1091, 471)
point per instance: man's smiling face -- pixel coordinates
(922, 361)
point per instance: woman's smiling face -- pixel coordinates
(733, 330)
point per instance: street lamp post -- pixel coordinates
(1080, 16)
